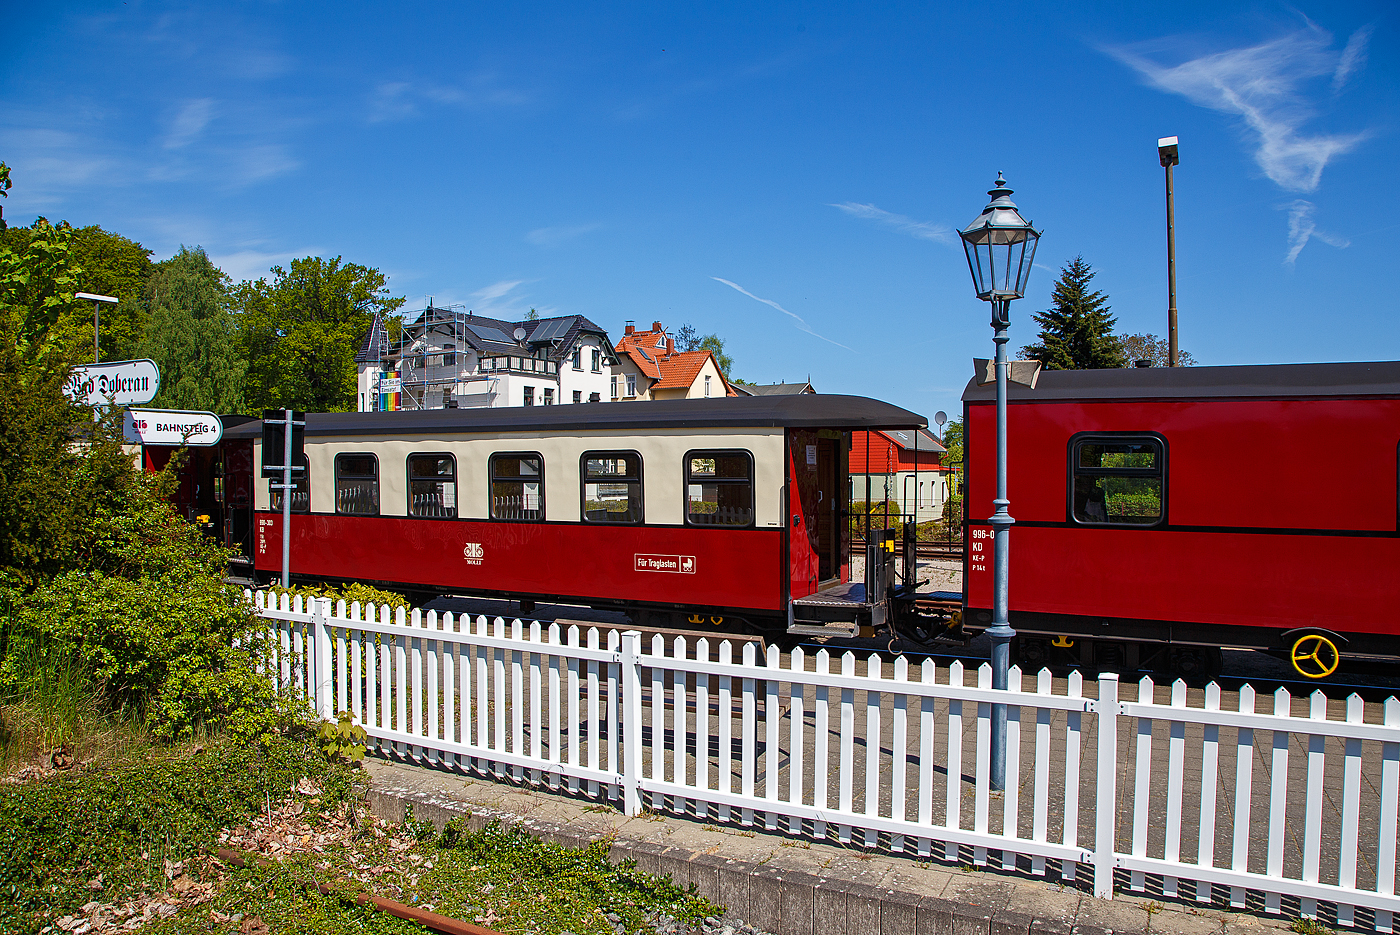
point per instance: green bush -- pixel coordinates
(349, 593)
(123, 822)
(181, 650)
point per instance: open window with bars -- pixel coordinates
(612, 487)
(357, 485)
(517, 487)
(1118, 480)
(719, 488)
(432, 486)
(301, 493)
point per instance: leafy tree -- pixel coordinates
(688, 339)
(715, 345)
(118, 266)
(1077, 332)
(4, 190)
(39, 319)
(300, 332)
(1135, 347)
(532, 315)
(953, 441)
(191, 336)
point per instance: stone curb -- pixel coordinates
(782, 902)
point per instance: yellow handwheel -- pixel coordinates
(1314, 656)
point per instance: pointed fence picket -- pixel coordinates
(876, 756)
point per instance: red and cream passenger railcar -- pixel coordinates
(1162, 514)
(724, 510)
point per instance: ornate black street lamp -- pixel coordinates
(1000, 247)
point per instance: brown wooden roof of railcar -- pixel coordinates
(806, 411)
(1367, 378)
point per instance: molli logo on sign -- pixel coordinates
(676, 564)
(473, 553)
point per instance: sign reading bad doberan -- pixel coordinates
(172, 427)
(119, 382)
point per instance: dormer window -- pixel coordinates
(597, 361)
(578, 357)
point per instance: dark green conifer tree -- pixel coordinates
(1076, 333)
(191, 335)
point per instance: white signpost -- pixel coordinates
(118, 382)
(172, 427)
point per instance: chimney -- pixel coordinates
(670, 346)
(656, 326)
(631, 327)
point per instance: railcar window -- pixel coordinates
(612, 487)
(719, 488)
(357, 485)
(301, 496)
(432, 486)
(517, 487)
(1117, 480)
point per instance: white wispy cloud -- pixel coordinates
(254, 264)
(924, 230)
(550, 236)
(1353, 57)
(1263, 85)
(189, 123)
(798, 321)
(1302, 228)
(402, 100)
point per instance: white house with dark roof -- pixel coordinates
(452, 358)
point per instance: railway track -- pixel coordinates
(922, 550)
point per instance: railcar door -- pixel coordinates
(828, 508)
(815, 483)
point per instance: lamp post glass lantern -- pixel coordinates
(1000, 247)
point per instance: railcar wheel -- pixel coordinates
(1314, 656)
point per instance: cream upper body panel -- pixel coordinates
(663, 465)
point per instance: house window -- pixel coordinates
(449, 357)
(614, 388)
(357, 485)
(578, 358)
(432, 486)
(549, 396)
(517, 487)
(597, 361)
(529, 395)
(612, 487)
(301, 494)
(1117, 480)
(719, 488)
(707, 384)
(593, 397)
(578, 396)
(631, 384)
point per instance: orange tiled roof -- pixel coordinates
(647, 349)
(680, 369)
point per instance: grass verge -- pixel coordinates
(129, 848)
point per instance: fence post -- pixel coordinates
(1106, 801)
(322, 663)
(631, 722)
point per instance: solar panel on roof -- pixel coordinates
(549, 330)
(490, 334)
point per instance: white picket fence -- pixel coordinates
(1285, 812)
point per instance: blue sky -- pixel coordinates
(789, 175)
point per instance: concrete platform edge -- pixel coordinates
(783, 902)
